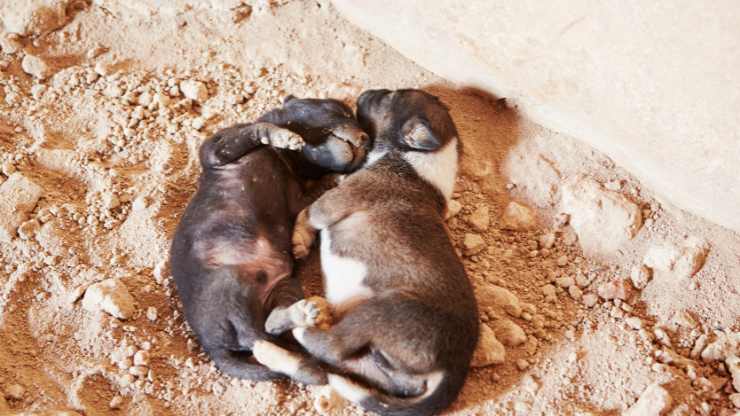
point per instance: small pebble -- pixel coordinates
(15, 392)
(562, 261)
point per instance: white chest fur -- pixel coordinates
(343, 277)
(438, 168)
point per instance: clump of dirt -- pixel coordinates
(595, 297)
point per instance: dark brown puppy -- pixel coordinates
(407, 317)
(231, 253)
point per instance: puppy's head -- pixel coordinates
(334, 139)
(407, 120)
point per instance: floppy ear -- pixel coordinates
(417, 134)
(289, 98)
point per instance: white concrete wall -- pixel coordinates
(653, 84)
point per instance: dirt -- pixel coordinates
(102, 108)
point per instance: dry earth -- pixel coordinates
(597, 298)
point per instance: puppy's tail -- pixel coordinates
(442, 389)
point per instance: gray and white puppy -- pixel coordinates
(407, 316)
(231, 253)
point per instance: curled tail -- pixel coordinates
(442, 389)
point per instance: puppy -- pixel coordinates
(407, 316)
(231, 253)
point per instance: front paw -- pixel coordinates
(281, 138)
(303, 236)
(314, 312)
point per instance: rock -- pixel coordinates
(36, 66)
(633, 322)
(547, 240)
(195, 90)
(692, 256)
(453, 208)
(683, 261)
(473, 244)
(3, 404)
(562, 261)
(151, 313)
(575, 292)
(582, 280)
(590, 300)
(115, 402)
(522, 364)
(735, 399)
(564, 282)
(569, 236)
(518, 217)
(699, 345)
(603, 219)
(480, 219)
(141, 358)
(509, 333)
(726, 345)
(110, 296)
(615, 289)
(10, 44)
(534, 174)
(548, 291)
(18, 197)
(654, 401)
(640, 276)
(15, 392)
(492, 296)
(733, 367)
(28, 229)
(37, 17)
(489, 350)
(327, 400)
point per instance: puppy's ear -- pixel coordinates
(417, 134)
(289, 98)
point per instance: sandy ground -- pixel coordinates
(600, 293)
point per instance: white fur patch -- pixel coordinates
(276, 358)
(348, 389)
(434, 379)
(298, 334)
(438, 168)
(374, 155)
(343, 277)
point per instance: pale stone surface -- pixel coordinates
(453, 208)
(480, 218)
(518, 217)
(473, 243)
(615, 80)
(36, 17)
(509, 333)
(18, 197)
(683, 260)
(492, 296)
(603, 220)
(733, 366)
(490, 350)
(110, 296)
(36, 66)
(723, 346)
(654, 401)
(195, 90)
